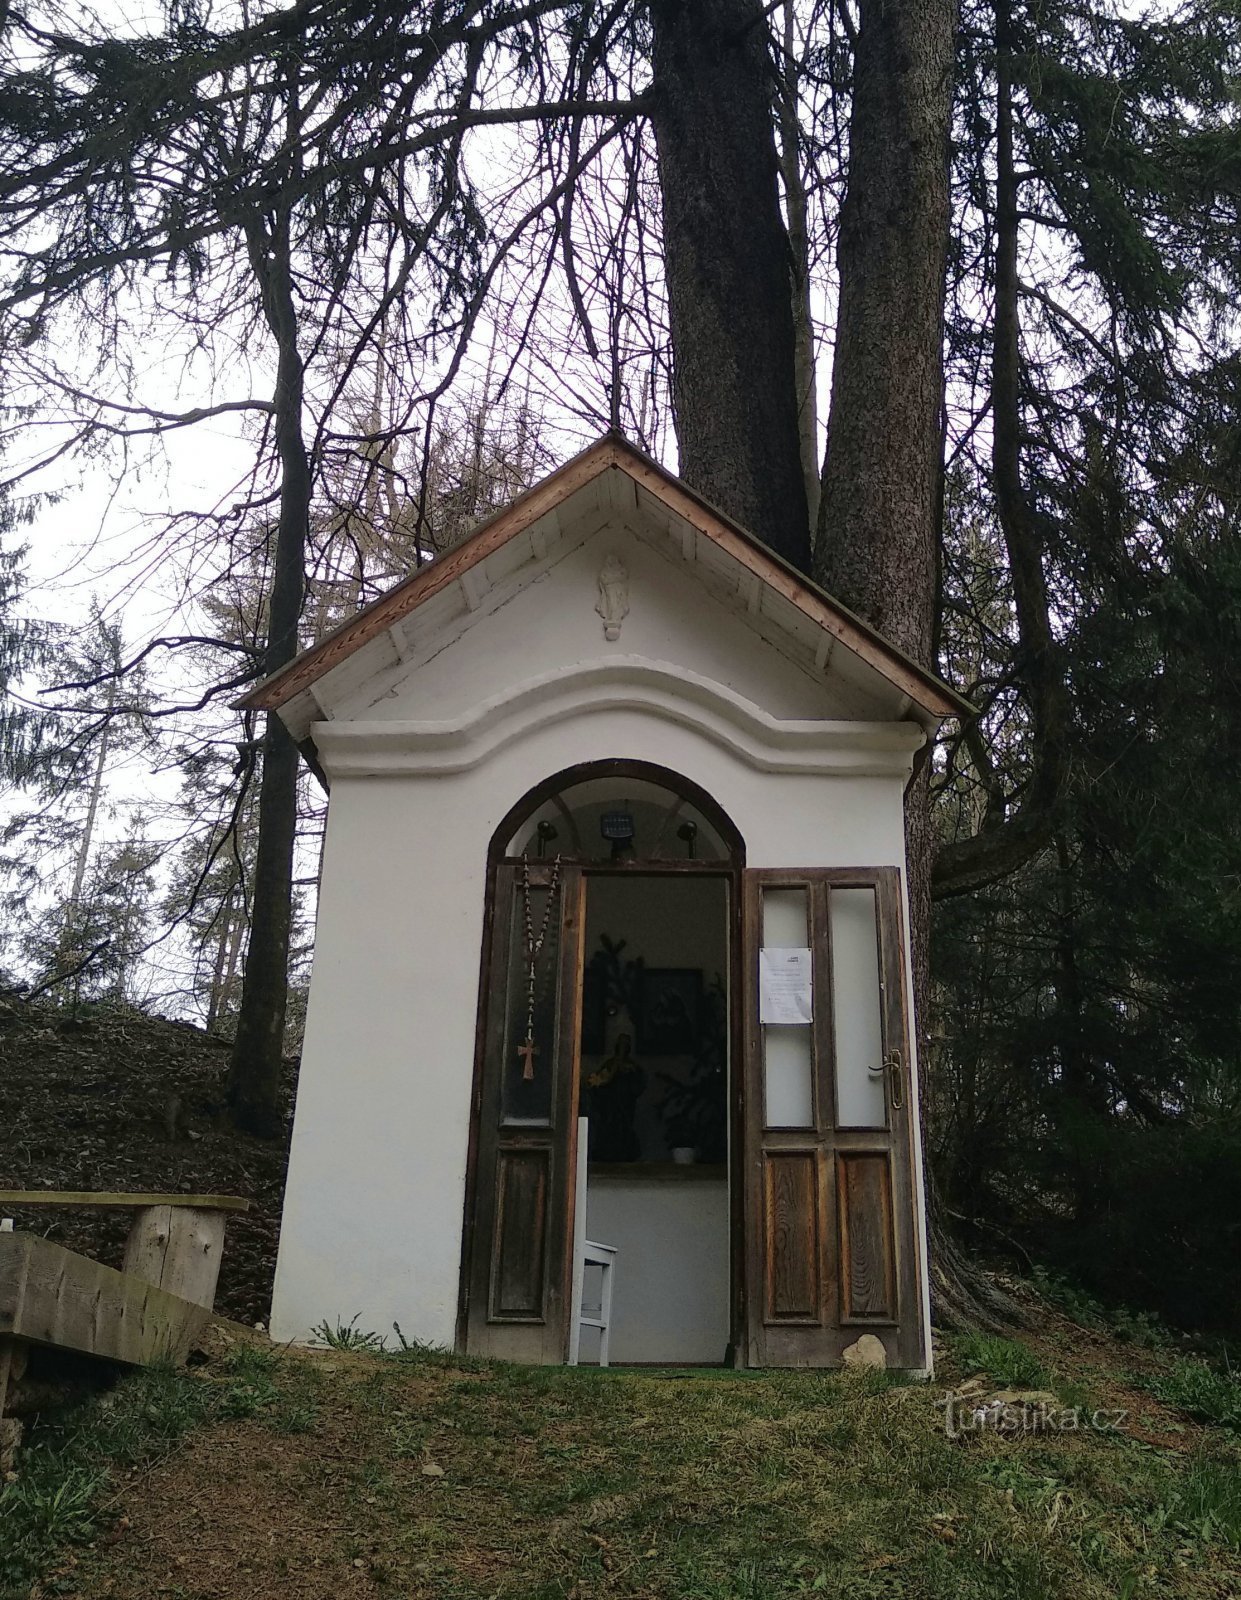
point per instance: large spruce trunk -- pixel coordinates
(875, 547)
(726, 259)
(877, 539)
(995, 851)
(878, 534)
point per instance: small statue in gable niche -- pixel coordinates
(613, 604)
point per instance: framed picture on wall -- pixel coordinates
(669, 1005)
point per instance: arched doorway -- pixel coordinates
(610, 990)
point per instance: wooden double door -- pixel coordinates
(823, 1208)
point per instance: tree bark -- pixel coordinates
(726, 260)
(876, 536)
(258, 1047)
(877, 539)
(799, 266)
(878, 530)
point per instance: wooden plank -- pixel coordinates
(868, 1252)
(11, 1361)
(913, 1339)
(738, 1115)
(146, 1249)
(103, 1200)
(12, 1365)
(568, 1068)
(749, 1068)
(374, 619)
(52, 1296)
(520, 1266)
(519, 1244)
(177, 1249)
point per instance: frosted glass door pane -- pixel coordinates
(860, 1100)
(788, 1052)
(787, 1060)
(784, 919)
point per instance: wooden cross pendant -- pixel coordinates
(527, 1052)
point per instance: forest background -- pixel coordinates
(940, 302)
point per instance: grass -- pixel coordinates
(347, 1336)
(1009, 1362)
(55, 1499)
(416, 1473)
(1206, 1503)
(1200, 1391)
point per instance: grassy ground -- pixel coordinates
(349, 1473)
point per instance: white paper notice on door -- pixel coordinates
(784, 993)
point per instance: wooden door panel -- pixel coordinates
(792, 1242)
(867, 1246)
(517, 1249)
(830, 1208)
(519, 1241)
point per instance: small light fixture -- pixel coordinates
(618, 827)
(688, 831)
(546, 832)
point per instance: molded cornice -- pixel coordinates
(378, 748)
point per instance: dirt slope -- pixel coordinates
(83, 1106)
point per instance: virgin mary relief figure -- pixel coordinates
(613, 604)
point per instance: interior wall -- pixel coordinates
(670, 921)
(671, 1278)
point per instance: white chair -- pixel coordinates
(587, 1254)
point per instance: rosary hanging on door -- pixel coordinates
(533, 947)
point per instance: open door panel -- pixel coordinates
(520, 1194)
(831, 1249)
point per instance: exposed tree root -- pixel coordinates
(965, 1297)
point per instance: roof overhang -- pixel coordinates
(932, 699)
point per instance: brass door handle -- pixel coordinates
(896, 1078)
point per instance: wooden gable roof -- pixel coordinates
(930, 694)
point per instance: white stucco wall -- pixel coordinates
(374, 1203)
(375, 1196)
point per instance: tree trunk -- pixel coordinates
(221, 971)
(92, 810)
(799, 266)
(877, 539)
(258, 1048)
(726, 260)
